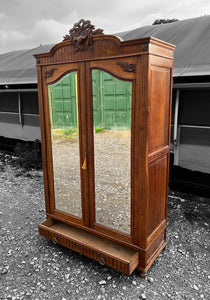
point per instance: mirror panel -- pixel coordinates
(63, 106)
(112, 150)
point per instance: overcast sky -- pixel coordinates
(28, 23)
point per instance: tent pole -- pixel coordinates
(176, 133)
(20, 109)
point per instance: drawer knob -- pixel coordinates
(54, 240)
(102, 260)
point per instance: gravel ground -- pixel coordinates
(31, 267)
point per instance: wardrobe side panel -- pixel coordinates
(158, 144)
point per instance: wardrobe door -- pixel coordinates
(110, 139)
(65, 134)
(63, 110)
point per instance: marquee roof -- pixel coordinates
(191, 38)
(192, 55)
(19, 67)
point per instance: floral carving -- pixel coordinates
(81, 35)
(127, 67)
(49, 73)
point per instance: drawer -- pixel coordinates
(106, 252)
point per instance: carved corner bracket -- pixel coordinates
(81, 35)
(127, 67)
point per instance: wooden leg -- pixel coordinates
(142, 274)
(164, 249)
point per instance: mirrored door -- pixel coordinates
(64, 125)
(111, 102)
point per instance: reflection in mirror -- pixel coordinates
(65, 144)
(112, 144)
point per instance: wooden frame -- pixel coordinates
(147, 63)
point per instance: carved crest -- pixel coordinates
(81, 35)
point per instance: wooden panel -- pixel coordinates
(148, 256)
(159, 107)
(139, 159)
(104, 251)
(157, 193)
(43, 137)
(105, 46)
(152, 250)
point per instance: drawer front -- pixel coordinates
(84, 249)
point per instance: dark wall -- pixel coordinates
(194, 107)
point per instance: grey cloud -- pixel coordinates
(27, 23)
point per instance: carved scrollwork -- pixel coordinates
(127, 67)
(81, 35)
(49, 73)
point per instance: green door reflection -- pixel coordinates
(112, 144)
(65, 144)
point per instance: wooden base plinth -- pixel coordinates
(106, 252)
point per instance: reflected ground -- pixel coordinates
(66, 169)
(112, 177)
